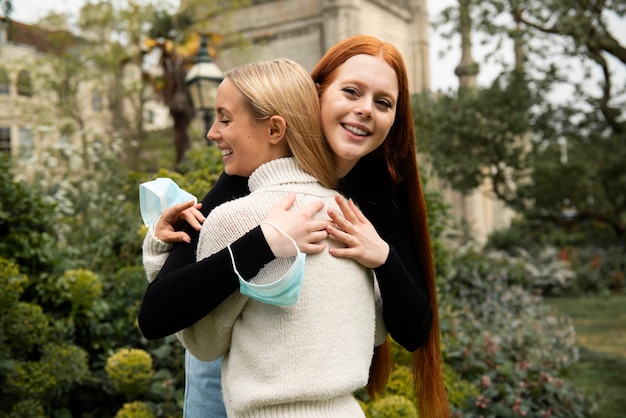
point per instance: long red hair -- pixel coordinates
(398, 152)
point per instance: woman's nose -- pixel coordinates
(364, 109)
(212, 135)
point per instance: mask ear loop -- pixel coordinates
(232, 256)
(293, 241)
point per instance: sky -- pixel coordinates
(442, 66)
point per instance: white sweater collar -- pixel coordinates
(276, 172)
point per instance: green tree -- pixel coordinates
(176, 38)
(558, 161)
(27, 231)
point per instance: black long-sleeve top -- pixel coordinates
(185, 291)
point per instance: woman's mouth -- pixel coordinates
(354, 130)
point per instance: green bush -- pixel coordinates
(130, 371)
(392, 406)
(135, 410)
(90, 300)
(25, 325)
(30, 380)
(585, 259)
(25, 408)
(598, 270)
(27, 232)
(510, 345)
(34, 368)
(81, 288)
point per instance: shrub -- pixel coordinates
(37, 371)
(392, 406)
(90, 298)
(81, 288)
(27, 234)
(130, 371)
(26, 408)
(31, 380)
(25, 325)
(509, 344)
(135, 410)
(586, 259)
(68, 362)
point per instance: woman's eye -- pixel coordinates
(350, 91)
(224, 121)
(384, 103)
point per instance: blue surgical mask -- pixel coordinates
(284, 291)
(157, 195)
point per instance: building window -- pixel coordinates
(96, 101)
(5, 140)
(24, 84)
(27, 145)
(5, 82)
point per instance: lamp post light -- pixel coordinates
(202, 81)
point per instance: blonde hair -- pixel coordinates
(282, 87)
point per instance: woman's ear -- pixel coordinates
(278, 129)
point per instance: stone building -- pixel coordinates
(303, 30)
(31, 123)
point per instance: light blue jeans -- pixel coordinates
(203, 388)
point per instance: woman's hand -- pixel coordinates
(167, 228)
(362, 242)
(298, 224)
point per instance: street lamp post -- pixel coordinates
(202, 81)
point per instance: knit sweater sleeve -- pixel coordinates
(154, 254)
(210, 337)
(184, 290)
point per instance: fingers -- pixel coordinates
(340, 236)
(312, 208)
(176, 210)
(172, 237)
(339, 220)
(166, 227)
(347, 210)
(313, 248)
(286, 203)
(194, 217)
(357, 212)
(318, 225)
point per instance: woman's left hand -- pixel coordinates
(352, 228)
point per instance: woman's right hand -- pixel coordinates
(298, 224)
(168, 227)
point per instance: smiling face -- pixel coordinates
(245, 143)
(358, 108)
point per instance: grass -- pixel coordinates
(600, 324)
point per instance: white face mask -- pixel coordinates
(157, 195)
(284, 291)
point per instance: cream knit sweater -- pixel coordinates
(300, 361)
